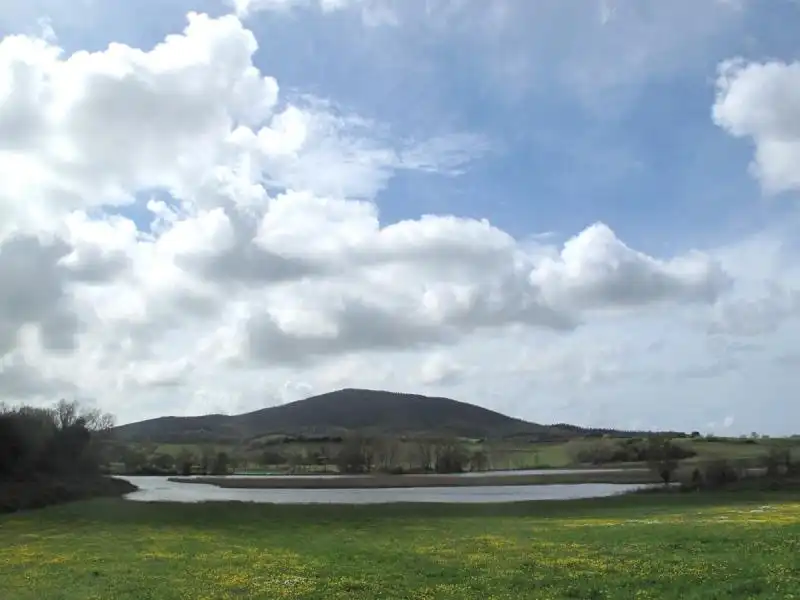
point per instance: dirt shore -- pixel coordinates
(418, 481)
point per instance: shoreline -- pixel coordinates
(42, 491)
(416, 481)
(547, 470)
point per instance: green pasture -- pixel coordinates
(671, 546)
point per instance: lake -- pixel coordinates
(499, 473)
(158, 489)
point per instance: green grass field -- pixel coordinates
(679, 546)
(519, 455)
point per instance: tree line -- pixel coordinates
(629, 450)
(351, 454)
(66, 439)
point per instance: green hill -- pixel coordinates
(343, 411)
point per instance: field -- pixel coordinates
(679, 546)
(508, 454)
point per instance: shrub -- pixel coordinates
(273, 457)
(38, 492)
(355, 455)
(777, 461)
(629, 450)
(719, 473)
(662, 457)
(451, 458)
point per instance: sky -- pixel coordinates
(581, 211)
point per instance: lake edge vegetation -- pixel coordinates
(54, 455)
(51, 455)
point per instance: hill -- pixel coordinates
(339, 412)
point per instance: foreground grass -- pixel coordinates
(642, 546)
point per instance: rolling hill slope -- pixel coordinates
(336, 413)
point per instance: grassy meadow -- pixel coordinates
(505, 454)
(681, 546)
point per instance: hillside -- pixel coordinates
(339, 412)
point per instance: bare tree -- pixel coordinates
(426, 454)
(185, 461)
(368, 453)
(356, 455)
(323, 457)
(387, 452)
(98, 421)
(450, 457)
(221, 464)
(55, 440)
(206, 459)
(65, 414)
(479, 461)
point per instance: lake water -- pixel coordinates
(467, 474)
(159, 489)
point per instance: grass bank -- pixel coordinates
(666, 546)
(310, 482)
(41, 491)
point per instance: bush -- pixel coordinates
(777, 461)
(719, 473)
(395, 470)
(273, 457)
(662, 458)
(39, 492)
(479, 461)
(451, 458)
(629, 450)
(221, 464)
(62, 440)
(355, 456)
(53, 455)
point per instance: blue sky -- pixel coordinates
(643, 155)
(543, 117)
(638, 151)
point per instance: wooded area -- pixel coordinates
(53, 455)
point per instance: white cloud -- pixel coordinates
(87, 129)
(596, 269)
(317, 149)
(440, 369)
(761, 101)
(175, 237)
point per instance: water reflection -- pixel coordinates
(545, 472)
(158, 489)
(323, 475)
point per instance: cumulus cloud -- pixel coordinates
(176, 236)
(756, 315)
(88, 129)
(34, 292)
(761, 102)
(596, 269)
(440, 369)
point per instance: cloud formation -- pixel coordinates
(176, 234)
(761, 102)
